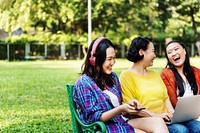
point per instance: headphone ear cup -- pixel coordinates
(92, 60)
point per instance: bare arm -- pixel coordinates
(169, 107)
(117, 110)
(124, 108)
(168, 115)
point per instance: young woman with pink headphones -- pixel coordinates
(98, 96)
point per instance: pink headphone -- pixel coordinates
(94, 47)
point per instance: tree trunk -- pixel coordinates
(197, 35)
(198, 45)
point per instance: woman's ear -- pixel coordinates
(185, 51)
(141, 52)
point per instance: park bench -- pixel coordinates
(78, 126)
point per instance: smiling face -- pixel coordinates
(176, 54)
(110, 60)
(149, 55)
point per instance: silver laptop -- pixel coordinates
(187, 108)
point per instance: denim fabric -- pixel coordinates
(177, 128)
(192, 126)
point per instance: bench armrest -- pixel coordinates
(78, 125)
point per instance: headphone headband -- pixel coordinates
(94, 47)
(96, 43)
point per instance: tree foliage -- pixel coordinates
(119, 20)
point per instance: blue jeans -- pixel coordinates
(192, 126)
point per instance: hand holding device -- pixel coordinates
(139, 109)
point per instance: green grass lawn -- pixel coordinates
(33, 95)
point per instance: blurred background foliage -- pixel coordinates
(119, 20)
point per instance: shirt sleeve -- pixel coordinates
(127, 85)
(166, 96)
(170, 84)
(197, 77)
(87, 104)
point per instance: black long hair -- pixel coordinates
(137, 44)
(187, 70)
(96, 72)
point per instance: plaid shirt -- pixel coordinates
(91, 102)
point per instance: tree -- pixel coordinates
(189, 12)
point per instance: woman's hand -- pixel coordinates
(130, 107)
(124, 109)
(135, 103)
(166, 116)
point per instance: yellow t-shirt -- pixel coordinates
(149, 90)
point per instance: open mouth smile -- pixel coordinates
(176, 59)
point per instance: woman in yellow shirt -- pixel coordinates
(146, 85)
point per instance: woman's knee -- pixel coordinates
(177, 128)
(193, 126)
